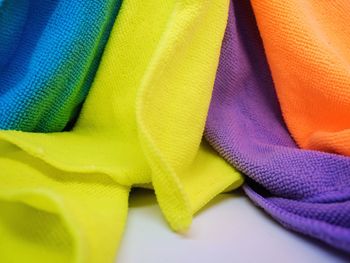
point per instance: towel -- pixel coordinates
(51, 215)
(49, 52)
(142, 123)
(306, 191)
(307, 47)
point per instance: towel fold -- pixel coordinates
(306, 191)
(49, 52)
(51, 215)
(142, 122)
(307, 47)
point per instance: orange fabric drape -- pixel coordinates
(307, 44)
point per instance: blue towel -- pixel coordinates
(49, 52)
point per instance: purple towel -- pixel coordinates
(306, 191)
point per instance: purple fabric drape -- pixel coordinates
(306, 191)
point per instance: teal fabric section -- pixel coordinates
(49, 52)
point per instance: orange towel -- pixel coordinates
(308, 49)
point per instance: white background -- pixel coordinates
(229, 229)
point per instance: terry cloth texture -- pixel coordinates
(306, 191)
(49, 52)
(307, 47)
(154, 82)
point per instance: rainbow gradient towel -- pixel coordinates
(49, 52)
(151, 86)
(306, 191)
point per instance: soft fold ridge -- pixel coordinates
(307, 48)
(126, 136)
(306, 191)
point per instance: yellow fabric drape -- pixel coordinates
(141, 123)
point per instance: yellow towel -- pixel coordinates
(141, 123)
(48, 215)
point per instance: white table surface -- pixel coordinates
(229, 229)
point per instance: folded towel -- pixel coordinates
(49, 52)
(51, 215)
(306, 191)
(142, 123)
(307, 47)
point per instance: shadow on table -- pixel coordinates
(142, 198)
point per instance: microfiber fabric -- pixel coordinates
(142, 123)
(306, 191)
(307, 48)
(49, 52)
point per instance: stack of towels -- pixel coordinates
(190, 98)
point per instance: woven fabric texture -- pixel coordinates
(151, 86)
(306, 191)
(307, 47)
(49, 52)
